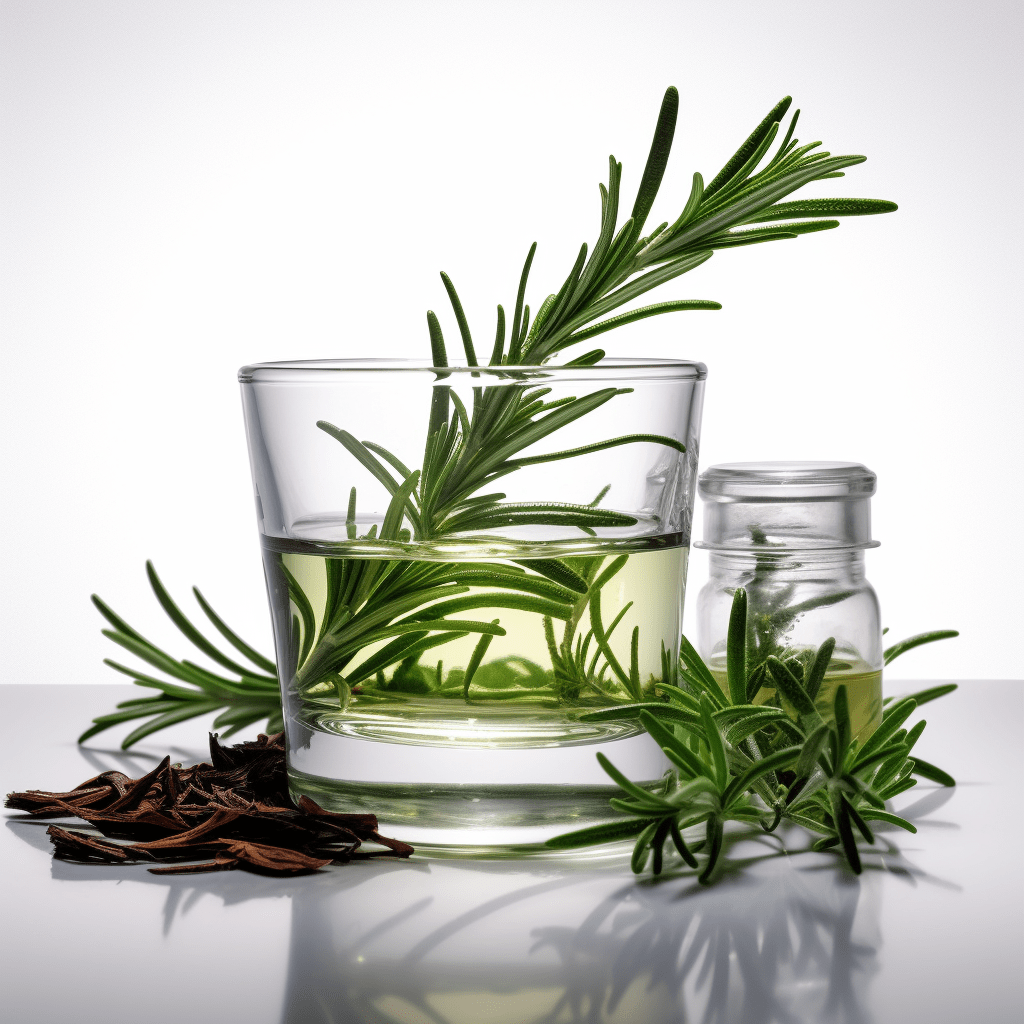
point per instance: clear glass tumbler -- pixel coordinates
(461, 563)
(793, 534)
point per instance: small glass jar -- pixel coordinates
(793, 534)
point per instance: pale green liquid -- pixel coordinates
(516, 676)
(863, 694)
(508, 767)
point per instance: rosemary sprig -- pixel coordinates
(472, 451)
(468, 450)
(473, 448)
(579, 667)
(625, 264)
(407, 605)
(249, 695)
(404, 602)
(763, 763)
(554, 590)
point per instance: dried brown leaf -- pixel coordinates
(273, 858)
(236, 809)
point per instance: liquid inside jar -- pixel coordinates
(863, 691)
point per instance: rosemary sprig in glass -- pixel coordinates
(470, 449)
(467, 449)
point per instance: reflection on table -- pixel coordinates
(781, 937)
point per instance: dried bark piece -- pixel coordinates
(276, 860)
(364, 825)
(76, 846)
(145, 824)
(241, 754)
(396, 846)
(220, 818)
(141, 788)
(236, 809)
(97, 793)
(220, 864)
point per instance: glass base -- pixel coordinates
(472, 801)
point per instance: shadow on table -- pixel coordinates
(780, 937)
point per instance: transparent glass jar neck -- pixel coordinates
(790, 563)
(807, 505)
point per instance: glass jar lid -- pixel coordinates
(803, 505)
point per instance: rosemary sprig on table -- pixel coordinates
(762, 763)
(248, 696)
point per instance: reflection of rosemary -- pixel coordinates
(467, 449)
(774, 951)
(760, 764)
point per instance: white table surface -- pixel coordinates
(933, 931)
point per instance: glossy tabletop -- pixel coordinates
(933, 931)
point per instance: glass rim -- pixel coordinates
(785, 550)
(309, 370)
(786, 481)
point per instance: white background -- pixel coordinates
(190, 186)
